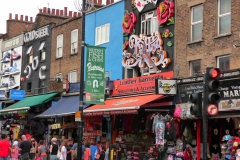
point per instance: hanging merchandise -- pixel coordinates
(159, 128)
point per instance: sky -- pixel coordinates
(29, 8)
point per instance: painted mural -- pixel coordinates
(149, 48)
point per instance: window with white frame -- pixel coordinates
(74, 41)
(42, 45)
(59, 75)
(59, 46)
(195, 67)
(102, 34)
(149, 23)
(196, 22)
(42, 51)
(223, 63)
(224, 16)
(73, 76)
(30, 59)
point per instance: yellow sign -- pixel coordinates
(56, 126)
(78, 116)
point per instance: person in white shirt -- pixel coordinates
(63, 150)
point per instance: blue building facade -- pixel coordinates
(103, 27)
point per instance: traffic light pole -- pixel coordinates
(204, 121)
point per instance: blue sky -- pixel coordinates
(29, 8)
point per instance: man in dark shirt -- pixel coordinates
(25, 145)
(149, 155)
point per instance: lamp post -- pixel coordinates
(82, 8)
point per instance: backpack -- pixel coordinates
(187, 154)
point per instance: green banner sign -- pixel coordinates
(95, 72)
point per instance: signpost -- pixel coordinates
(95, 75)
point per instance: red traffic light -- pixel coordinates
(215, 73)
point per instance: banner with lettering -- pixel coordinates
(95, 72)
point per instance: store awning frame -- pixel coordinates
(24, 105)
(124, 103)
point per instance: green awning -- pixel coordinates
(25, 104)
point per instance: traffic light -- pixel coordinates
(196, 104)
(212, 84)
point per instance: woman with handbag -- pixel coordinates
(87, 154)
(53, 149)
(42, 151)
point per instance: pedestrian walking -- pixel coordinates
(25, 147)
(63, 150)
(5, 149)
(14, 151)
(53, 149)
(42, 151)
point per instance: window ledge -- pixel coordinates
(58, 58)
(223, 35)
(198, 41)
(73, 54)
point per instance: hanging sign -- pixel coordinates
(166, 86)
(95, 72)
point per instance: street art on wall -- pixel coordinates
(148, 53)
(165, 12)
(140, 4)
(128, 22)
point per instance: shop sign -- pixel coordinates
(12, 43)
(17, 94)
(188, 89)
(131, 111)
(56, 126)
(93, 126)
(139, 84)
(55, 86)
(166, 86)
(2, 94)
(95, 75)
(36, 34)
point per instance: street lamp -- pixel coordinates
(83, 8)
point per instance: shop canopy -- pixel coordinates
(121, 105)
(28, 102)
(65, 106)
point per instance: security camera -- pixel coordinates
(234, 46)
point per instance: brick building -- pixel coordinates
(205, 32)
(66, 51)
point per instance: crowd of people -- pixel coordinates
(27, 148)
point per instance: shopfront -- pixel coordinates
(223, 128)
(133, 110)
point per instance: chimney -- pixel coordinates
(79, 14)
(75, 14)
(70, 14)
(21, 18)
(61, 12)
(112, 1)
(40, 10)
(16, 16)
(65, 11)
(57, 12)
(10, 16)
(95, 1)
(100, 2)
(26, 18)
(53, 11)
(48, 10)
(108, 2)
(44, 9)
(31, 19)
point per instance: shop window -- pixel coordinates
(196, 22)
(29, 87)
(74, 41)
(224, 17)
(102, 34)
(223, 63)
(73, 77)
(149, 23)
(195, 67)
(59, 46)
(130, 73)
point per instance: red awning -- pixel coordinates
(122, 105)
